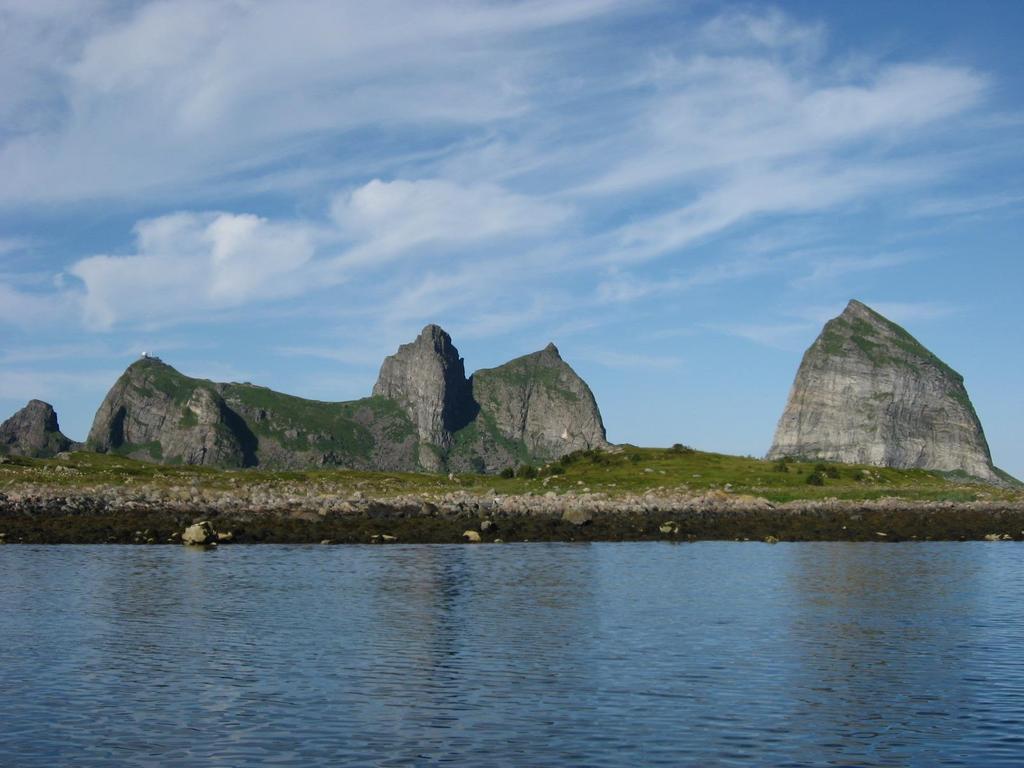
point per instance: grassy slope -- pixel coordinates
(333, 425)
(633, 470)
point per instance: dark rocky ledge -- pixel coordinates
(119, 515)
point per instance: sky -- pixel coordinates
(678, 194)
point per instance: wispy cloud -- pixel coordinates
(524, 185)
(172, 93)
(610, 358)
(966, 205)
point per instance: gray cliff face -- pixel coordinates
(428, 379)
(34, 432)
(540, 401)
(152, 412)
(867, 392)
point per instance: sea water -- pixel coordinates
(628, 654)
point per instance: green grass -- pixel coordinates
(631, 470)
(293, 422)
(302, 425)
(153, 448)
(157, 375)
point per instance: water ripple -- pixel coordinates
(600, 655)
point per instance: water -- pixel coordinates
(534, 654)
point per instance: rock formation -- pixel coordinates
(34, 432)
(424, 414)
(155, 413)
(428, 379)
(535, 403)
(867, 392)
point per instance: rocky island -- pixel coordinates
(878, 442)
(867, 392)
(424, 415)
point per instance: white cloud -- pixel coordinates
(187, 263)
(468, 134)
(829, 266)
(175, 94)
(393, 217)
(741, 30)
(31, 309)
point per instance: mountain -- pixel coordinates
(33, 431)
(424, 414)
(867, 392)
(155, 413)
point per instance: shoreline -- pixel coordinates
(111, 515)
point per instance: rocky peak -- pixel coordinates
(154, 412)
(868, 392)
(33, 431)
(540, 400)
(428, 379)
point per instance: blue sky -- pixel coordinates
(677, 194)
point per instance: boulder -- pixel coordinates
(201, 534)
(577, 516)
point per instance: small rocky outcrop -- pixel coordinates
(867, 392)
(428, 379)
(34, 432)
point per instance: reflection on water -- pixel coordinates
(601, 654)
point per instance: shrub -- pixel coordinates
(782, 465)
(816, 478)
(680, 448)
(826, 470)
(508, 473)
(556, 469)
(526, 472)
(571, 458)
